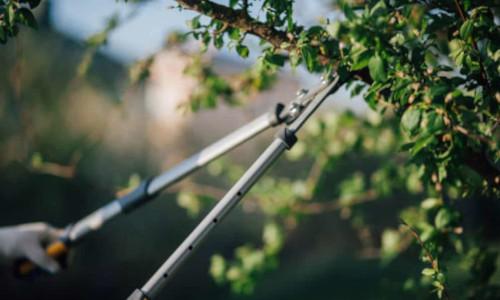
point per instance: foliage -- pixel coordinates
(434, 65)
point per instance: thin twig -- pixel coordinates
(334, 205)
(314, 174)
(472, 136)
(427, 253)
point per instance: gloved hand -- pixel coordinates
(29, 241)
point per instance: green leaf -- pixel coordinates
(457, 51)
(11, 14)
(190, 202)
(242, 50)
(411, 119)
(348, 12)
(275, 59)
(421, 143)
(234, 34)
(377, 68)
(438, 90)
(431, 203)
(428, 234)
(398, 39)
(333, 29)
(139, 70)
(444, 218)
(466, 29)
(273, 238)
(232, 3)
(36, 160)
(218, 41)
(360, 57)
(97, 39)
(428, 272)
(391, 240)
(433, 123)
(218, 268)
(194, 23)
(378, 8)
(27, 18)
(309, 57)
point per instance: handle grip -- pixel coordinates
(26, 268)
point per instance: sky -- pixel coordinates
(143, 34)
(137, 38)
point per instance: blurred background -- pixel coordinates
(70, 143)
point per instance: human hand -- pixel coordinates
(29, 241)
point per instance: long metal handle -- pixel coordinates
(214, 217)
(150, 188)
(211, 152)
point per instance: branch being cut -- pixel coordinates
(239, 18)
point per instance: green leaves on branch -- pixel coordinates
(219, 34)
(15, 13)
(249, 263)
(435, 71)
(211, 87)
(444, 111)
(95, 41)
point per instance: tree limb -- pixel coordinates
(238, 18)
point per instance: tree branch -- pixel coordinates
(434, 262)
(238, 18)
(325, 207)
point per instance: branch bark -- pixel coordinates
(334, 205)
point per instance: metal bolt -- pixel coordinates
(294, 111)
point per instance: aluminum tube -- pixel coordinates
(211, 152)
(233, 196)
